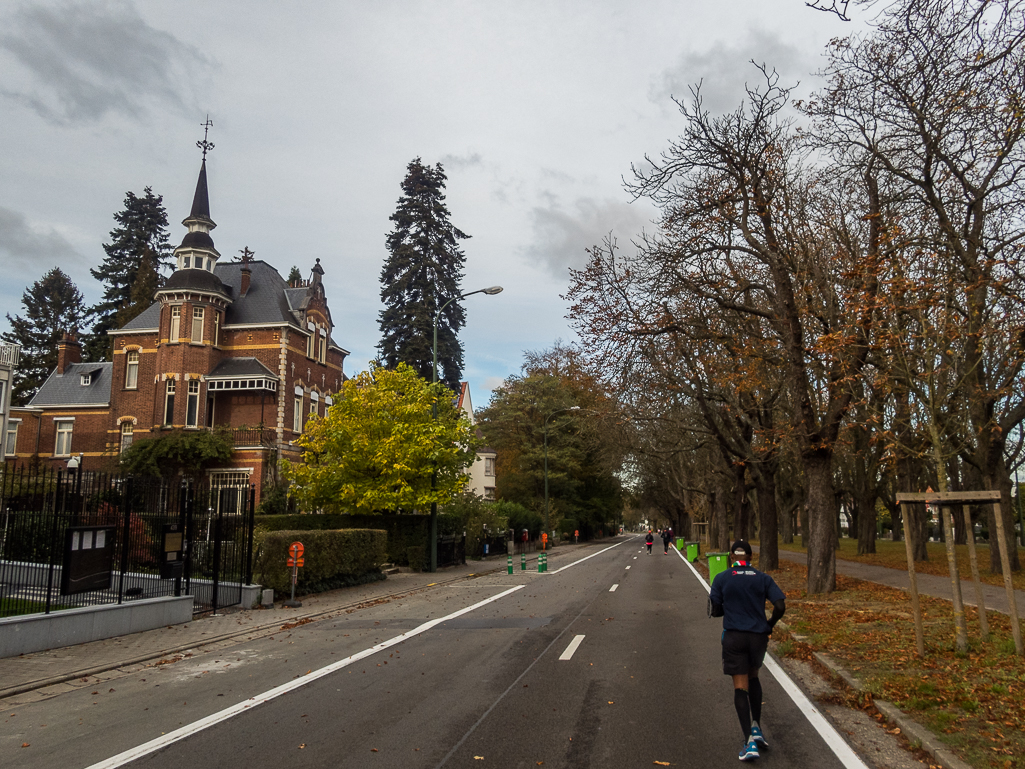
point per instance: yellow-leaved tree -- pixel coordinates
(379, 445)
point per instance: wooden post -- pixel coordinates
(915, 605)
(1005, 566)
(980, 602)
(960, 624)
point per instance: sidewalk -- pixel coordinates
(57, 668)
(994, 597)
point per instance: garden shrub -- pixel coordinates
(332, 558)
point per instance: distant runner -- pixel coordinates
(738, 596)
(667, 534)
(648, 540)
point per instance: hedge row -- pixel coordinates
(332, 559)
(407, 534)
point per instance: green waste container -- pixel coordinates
(717, 563)
(693, 551)
(680, 544)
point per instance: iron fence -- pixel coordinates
(71, 539)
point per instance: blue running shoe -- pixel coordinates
(758, 738)
(749, 752)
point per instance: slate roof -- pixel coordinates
(239, 367)
(147, 320)
(200, 280)
(68, 390)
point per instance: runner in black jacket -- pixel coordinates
(738, 596)
(648, 540)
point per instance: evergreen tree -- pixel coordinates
(53, 305)
(137, 252)
(294, 276)
(422, 272)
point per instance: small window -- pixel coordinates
(489, 466)
(192, 404)
(322, 352)
(11, 445)
(169, 402)
(313, 407)
(311, 341)
(489, 493)
(127, 430)
(217, 329)
(131, 369)
(87, 379)
(176, 324)
(63, 444)
(297, 415)
(197, 325)
(187, 262)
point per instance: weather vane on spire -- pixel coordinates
(205, 145)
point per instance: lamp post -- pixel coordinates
(434, 415)
(558, 411)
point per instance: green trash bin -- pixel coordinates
(680, 544)
(717, 563)
(693, 551)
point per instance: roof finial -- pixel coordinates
(205, 145)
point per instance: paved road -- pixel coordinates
(408, 684)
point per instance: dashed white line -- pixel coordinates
(573, 645)
(628, 567)
(613, 588)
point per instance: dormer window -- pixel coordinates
(186, 262)
(87, 379)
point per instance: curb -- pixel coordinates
(198, 644)
(910, 728)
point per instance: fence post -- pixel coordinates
(185, 506)
(58, 508)
(217, 550)
(126, 534)
(252, 526)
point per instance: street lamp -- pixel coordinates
(559, 411)
(434, 415)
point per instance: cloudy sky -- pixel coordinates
(535, 109)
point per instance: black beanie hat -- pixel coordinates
(740, 546)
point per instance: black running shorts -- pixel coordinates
(743, 652)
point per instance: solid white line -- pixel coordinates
(587, 558)
(568, 654)
(613, 588)
(831, 736)
(197, 726)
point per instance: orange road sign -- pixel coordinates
(292, 562)
(296, 549)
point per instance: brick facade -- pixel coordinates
(225, 345)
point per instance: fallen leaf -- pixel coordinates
(661, 763)
(302, 746)
(478, 758)
(24, 744)
(373, 750)
(611, 702)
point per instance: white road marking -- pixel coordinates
(613, 588)
(586, 558)
(628, 567)
(568, 654)
(197, 726)
(831, 736)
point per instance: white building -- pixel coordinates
(9, 355)
(482, 472)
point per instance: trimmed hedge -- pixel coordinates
(407, 534)
(332, 559)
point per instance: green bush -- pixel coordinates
(333, 558)
(406, 533)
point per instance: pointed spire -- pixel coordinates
(201, 200)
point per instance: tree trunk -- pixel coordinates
(721, 524)
(822, 515)
(1001, 480)
(740, 509)
(768, 550)
(867, 519)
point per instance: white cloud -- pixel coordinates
(726, 67)
(561, 237)
(79, 62)
(25, 246)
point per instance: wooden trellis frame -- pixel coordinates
(945, 500)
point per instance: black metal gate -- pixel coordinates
(71, 539)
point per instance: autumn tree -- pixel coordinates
(378, 445)
(933, 94)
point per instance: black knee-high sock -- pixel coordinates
(754, 688)
(742, 704)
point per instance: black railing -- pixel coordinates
(254, 436)
(70, 539)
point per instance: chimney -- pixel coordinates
(68, 351)
(246, 275)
